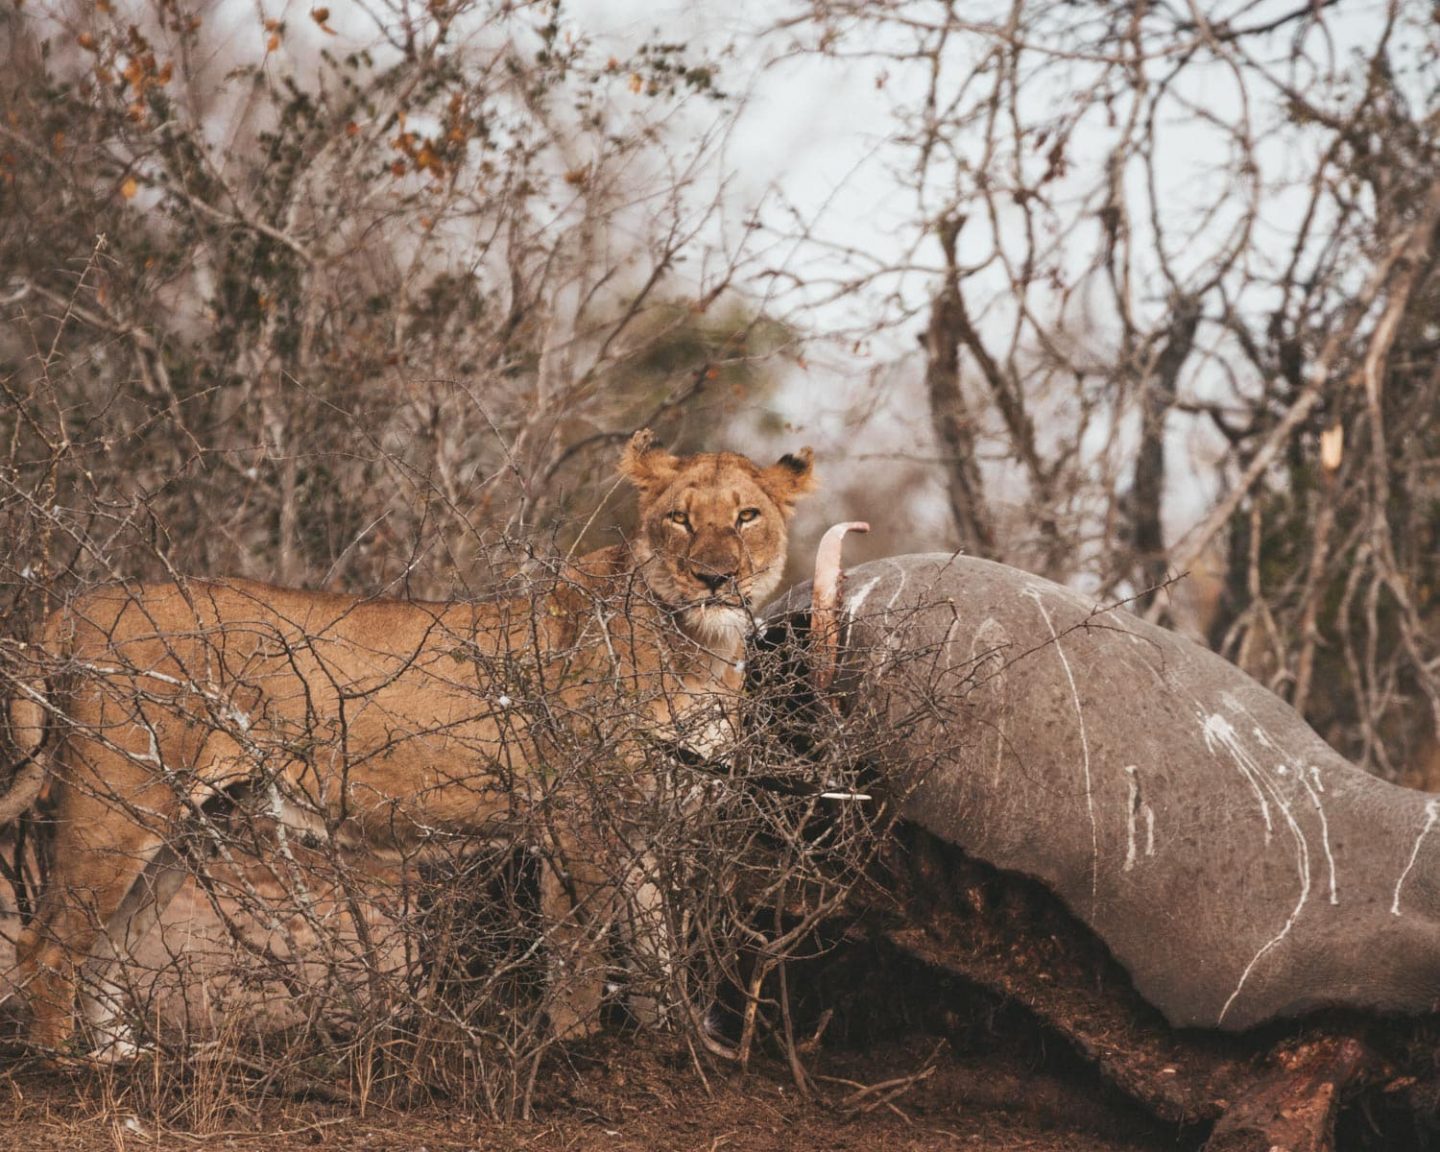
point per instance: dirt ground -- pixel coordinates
(624, 1094)
(1011, 1037)
(984, 1084)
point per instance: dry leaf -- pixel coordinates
(129, 188)
(1332, 447)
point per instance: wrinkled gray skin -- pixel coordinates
(1238, 867)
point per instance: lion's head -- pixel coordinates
(713, 528)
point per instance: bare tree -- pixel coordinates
(1181, 263)
(377, 290)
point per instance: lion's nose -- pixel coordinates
(714, 580)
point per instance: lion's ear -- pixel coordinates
(647, 467)
(790, 477)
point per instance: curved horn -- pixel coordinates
(825, 604)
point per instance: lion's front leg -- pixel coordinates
(650, 957)
(98, 902)
(578, 904)
(102, 994)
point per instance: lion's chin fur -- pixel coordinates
(717, 625)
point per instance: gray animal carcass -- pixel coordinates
(1234, 864)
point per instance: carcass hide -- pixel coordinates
(1233, 863)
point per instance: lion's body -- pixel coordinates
(383, 722)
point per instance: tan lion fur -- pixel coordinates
(383, 721)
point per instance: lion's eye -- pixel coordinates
(679, 518)
(747, 515)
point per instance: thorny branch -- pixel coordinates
(1188, 256)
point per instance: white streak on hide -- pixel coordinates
(1312, 783)
(1314, 786)
(1220, 733)
(853, 603)
(988, 669)
(1432, 810)
(1132, 811)
(900, 587)
(1034, 594)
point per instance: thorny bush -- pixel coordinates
(295, 959)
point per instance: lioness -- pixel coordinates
(381, 722)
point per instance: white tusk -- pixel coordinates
(825, 602)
